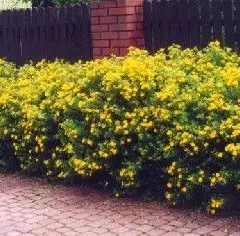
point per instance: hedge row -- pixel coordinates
(164, 125)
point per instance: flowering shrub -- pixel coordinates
(8, 73)
(166, 124)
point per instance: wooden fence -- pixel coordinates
(191, 23)
(49, 33)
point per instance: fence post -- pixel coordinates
(116, 25)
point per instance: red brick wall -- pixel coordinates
(116, 25)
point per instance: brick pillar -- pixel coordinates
(116, 25)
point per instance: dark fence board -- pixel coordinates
(165, 21)
(86, 47)
(157, 26)
(183, 16)
(191, 23)
(194, 23)
(205, 9)
(228, 22)
(46, 33)
(147, 14)
(217, 20)
(173, 20)
(3, 50)
(237, 20)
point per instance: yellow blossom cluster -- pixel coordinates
(215, 204)
(84, 168)
(166, 123)
(127, 177)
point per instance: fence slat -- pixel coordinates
(28, 42)
(69, 30)
(46, 33)
(191, 23)
(194, 23)
(11, 47)
(147, 24)
(16, 38)
(165, 22)
(183, 17)
(4, 45)
(1, 35)
(79, 30)
(55, 34)
(217, 20)
(237, 19)
(86, 34)
(157, 25)
(228, 22)
(17, 23)
(41, 20)
(173, 22)
(206, 34)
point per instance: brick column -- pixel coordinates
(116, 25)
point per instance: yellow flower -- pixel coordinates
(220, 155)
(195, 149)
(213, 211)
(200, 180)
(206, 144)
(129, 140)
(184, 189)
(168, 195)
(90, 142)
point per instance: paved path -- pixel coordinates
(31, 207)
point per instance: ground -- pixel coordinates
(33, 207)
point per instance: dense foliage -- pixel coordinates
(13, 4)
(47, 3)
(163, 125)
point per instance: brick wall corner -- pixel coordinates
(115, 26)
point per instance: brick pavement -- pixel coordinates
(32, 207)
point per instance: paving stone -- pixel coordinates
(83, 229)
(31, 207)
(55, 226)
(120, 230)
(167, 227)
(235, 234)
(218, 233)
(99, 223)
(184, 230)
(145, 228)
(99, 230)
(40, 231)
(13, 233)
(131, 233)
(71, 233)
(131, 225)
(205, 230)
(90, 234)
(173, 234)
(63, 229)
(156, 232)
(52, 233)
(111, 225)
(108, 234)
(176, 223)
(193, 225)
(191, 234)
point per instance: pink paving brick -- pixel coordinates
(145, 228)
(156, 232)
(120, 230)
(32, 207)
